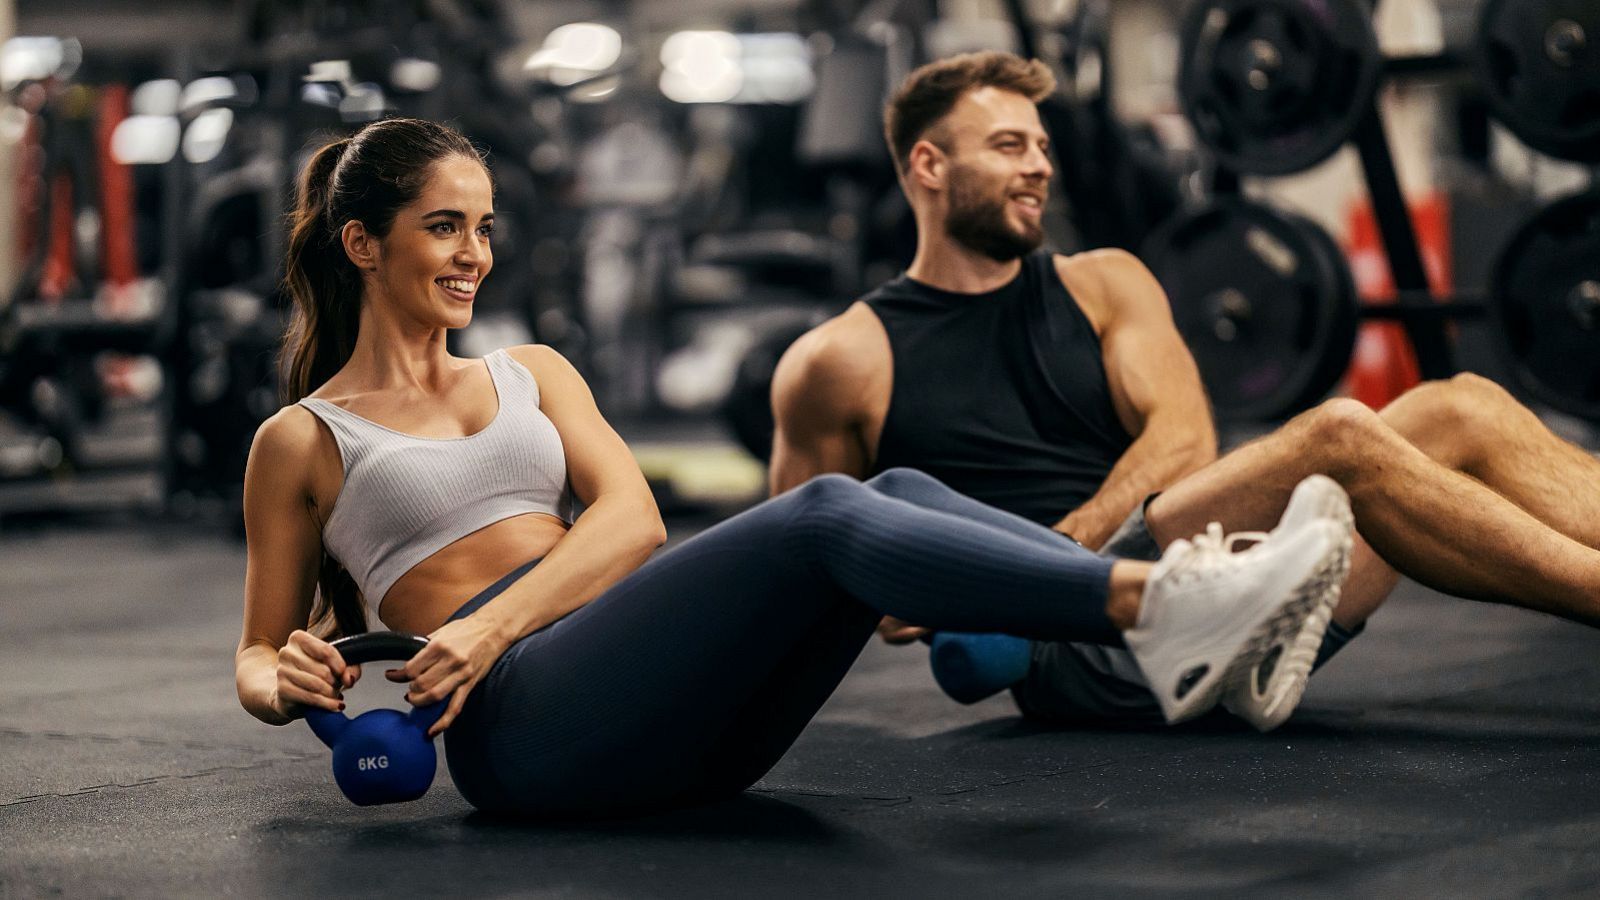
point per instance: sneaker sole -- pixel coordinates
(1290, 618)
(1287, 684)
(1270, 707)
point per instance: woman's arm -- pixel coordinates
(617, 532)
(279, 668)
(620, 526)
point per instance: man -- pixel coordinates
(1058, 389)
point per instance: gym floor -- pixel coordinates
(1451, 751)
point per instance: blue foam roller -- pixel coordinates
(970, 667)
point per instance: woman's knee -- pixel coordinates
(822, 511)
(827, 487)
(822, 495)
(901, 482)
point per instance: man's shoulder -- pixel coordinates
(1107, 283)
(837, 363)
(1091, 268)
(850, 345)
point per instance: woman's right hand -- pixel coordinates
(311, 673)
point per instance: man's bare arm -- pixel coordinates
(818, 408)
(1155, 388)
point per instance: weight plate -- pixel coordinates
(1539, 61)
(1546, 301)
(1275, 86)
(1265, 301)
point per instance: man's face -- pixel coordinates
(999, 173)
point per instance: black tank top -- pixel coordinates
(1002, 396)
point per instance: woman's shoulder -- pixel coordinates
(294, 460)
(291, 435)
(535, 354)
(542, 361)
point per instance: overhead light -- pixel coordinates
(37, 58)
(719, 67)
(319, 94)
(701, 67)
(145, 140)
(362, 102)
(777, 68)
(334, 71)
(206, 91)
(686, 46)
(207, 134)
(155, 98)
(575, 51)
(416, 75)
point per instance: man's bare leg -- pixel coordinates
(1444, 529)
(1475, 426)
(1472, 425)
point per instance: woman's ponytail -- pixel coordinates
(321, 282)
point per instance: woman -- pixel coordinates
(579, 677)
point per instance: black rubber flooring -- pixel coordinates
(1451, 751)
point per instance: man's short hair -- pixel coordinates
(930, 92)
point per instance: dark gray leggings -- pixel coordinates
(691, 677)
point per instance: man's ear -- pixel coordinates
(928, 165)
(360, 245)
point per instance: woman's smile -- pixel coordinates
(459, 287)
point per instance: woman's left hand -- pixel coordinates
(457, 657)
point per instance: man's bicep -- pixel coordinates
(1147, 362)
(796, 462)
(1154, 370)
(815, 429)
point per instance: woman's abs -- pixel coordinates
(425, 596)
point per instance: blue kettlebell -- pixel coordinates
(382, 755)
(970, 667)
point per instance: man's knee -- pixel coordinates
(1479, 401)
(1337, 433)
(1478, 386)
(1448, 418)
(1460, 396)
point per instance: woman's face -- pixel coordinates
(437, 251)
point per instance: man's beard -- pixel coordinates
(979, 222)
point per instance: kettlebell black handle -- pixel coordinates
(374, 645)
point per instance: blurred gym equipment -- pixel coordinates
(1266, 300)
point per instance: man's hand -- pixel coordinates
(1087, 527)
(896, 631)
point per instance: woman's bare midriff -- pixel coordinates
(425, 597)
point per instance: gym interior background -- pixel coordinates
(1338, 200)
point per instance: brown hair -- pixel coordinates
(929, 93)
(367, 177)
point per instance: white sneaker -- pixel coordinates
(1274, 686)
(1209, 616)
